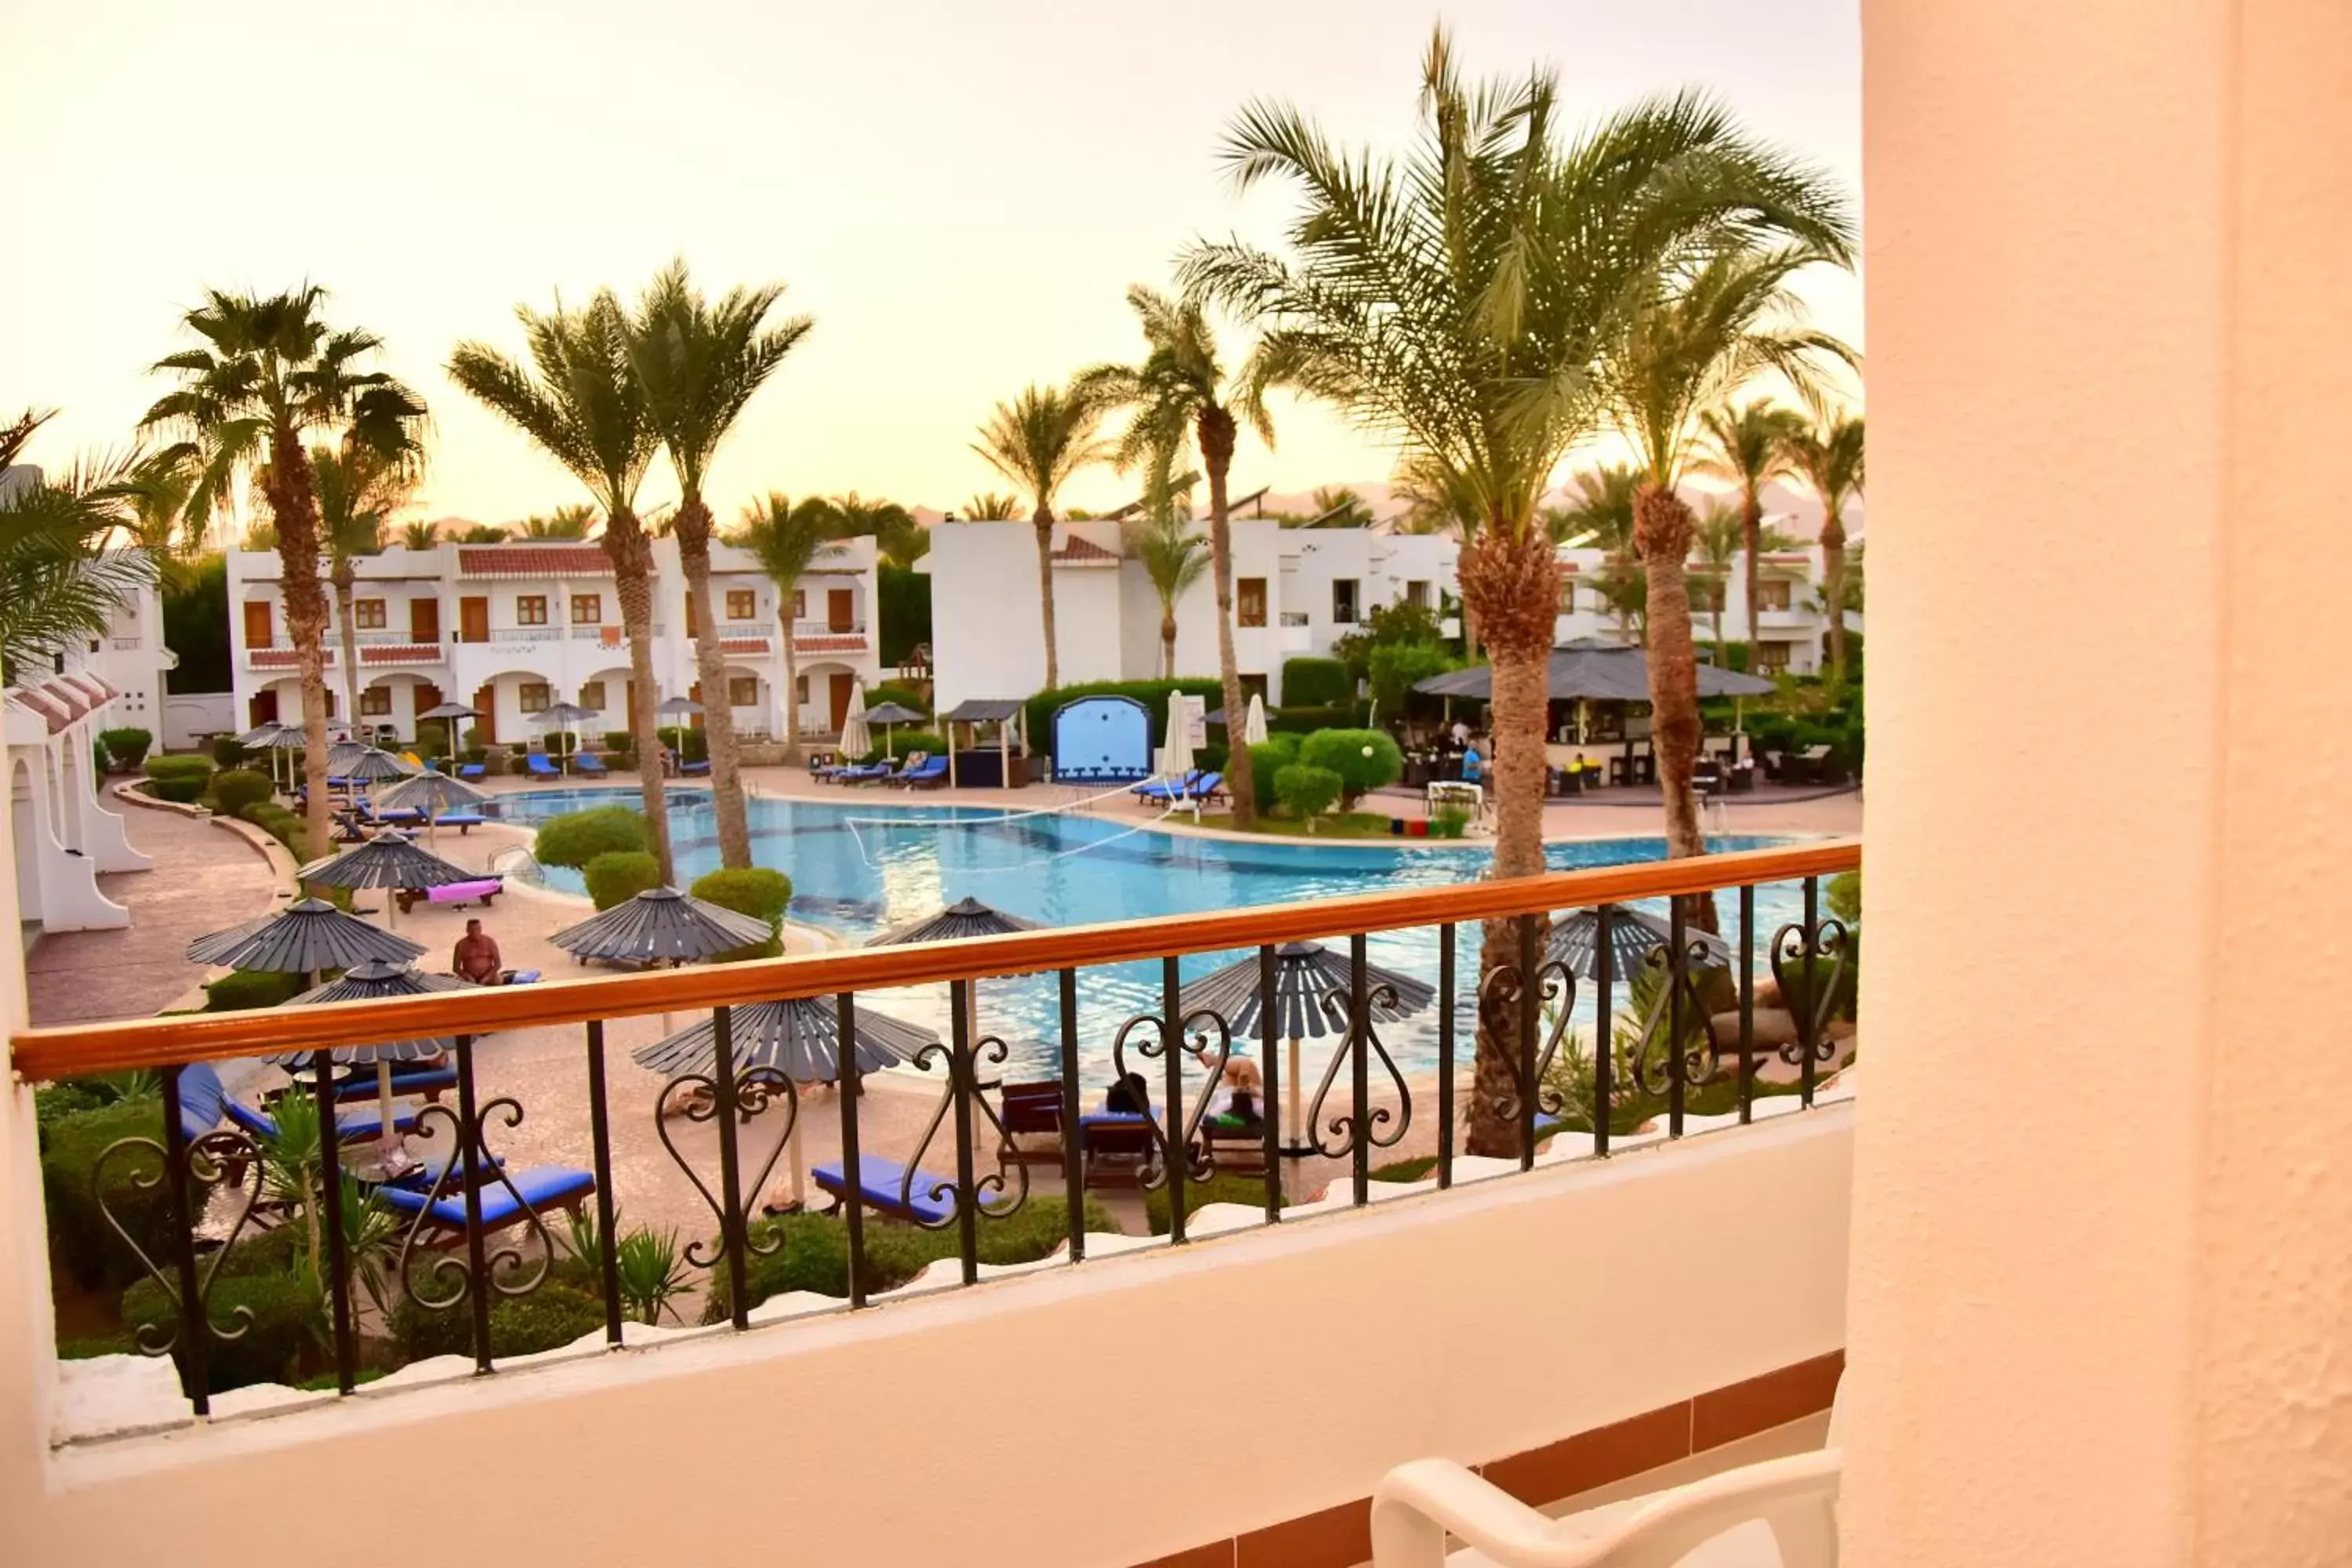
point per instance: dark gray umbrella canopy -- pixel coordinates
(365, 763)
(979, 710)
(451, 711)
(893, 714)
(1596, 670)
(801, 1039)
(964, 918)
(387, 861)
(430, 793)
(302, 938)
(366, 982)
(1305, 973)
(661, 923)
(1633, 937)
(562, 713)
(270, 737)
(678, 707)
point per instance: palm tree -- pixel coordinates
(991, 506)
(1335, 507)
(581, 403)
(1173, 556)
(564, 522)
(1460, 301)
(1829, 457)
(484, 533)
(1718, 538)
(61, 581)
(897, 535)
(701, 363)
(1749, 446)
(268, 376)
(1600, 515)
(1182, 393)
(418, 536)
(786, 537)
(358, 492)
(1038, 440)
(1690, 336)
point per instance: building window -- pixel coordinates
(375, 702)
(367, 615)
(530, 610)
(1772, 594)
(742, 691)
(800, 604)
(592, 695)
(1567, 597)
(1249, 609)
(800, 688)
(587, 610)
(1416, 593)
(1343, 601)
(533, 695)
(742, 604)
(1772, 657)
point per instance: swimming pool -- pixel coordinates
(861, 866)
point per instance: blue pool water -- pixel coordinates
(861, 866)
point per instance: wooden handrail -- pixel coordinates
(44, 1055)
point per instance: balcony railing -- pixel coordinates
(1679, 1026)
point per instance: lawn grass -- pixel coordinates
(1338, 825)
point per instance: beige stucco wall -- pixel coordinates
(2103, 1285)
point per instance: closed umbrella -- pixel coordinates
(303, 938)
(1254, 727)
(388, 860)
(1305, 974)
(1176, 759)
(367, 981)
(856, 740)
(1633, 937)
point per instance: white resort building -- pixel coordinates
(511, 629)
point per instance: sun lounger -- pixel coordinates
(929, 771)
(351, 1127)
(471, 769)
(883, 1186)
(541, 768)
(401, 816)
(587, 766)
(542, 1188)
(461, 820)
(1193, 786)
(1117, 1144)
(480, 890)
(1031, 1117)
(202, 1100)
(694, 770)
(874, 772)
(421, 1176)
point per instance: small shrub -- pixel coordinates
(619, 741)
(238, 788)
(1249, 1190)
(227, 753)
(1309, 682)
(550, 1318)
(619, 875)
(1364, 759)
(1298, 720)
(755, 891)
(181, 779)
(685, 742)
(1308, 791)
(1278, 753)
(905, 696)
(1396, 668)
(284, 825)
(1449, 822)
(1417, 1169)
(245, 988)
(85, 1245)
(126, 748)
(476, 744)
(903, 741)
(283, 1305)
(1843, 895)
(577, 838)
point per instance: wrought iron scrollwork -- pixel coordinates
(438, 1280)
(218, 1158)
(968, 1083)
(695, 1097)
(1555, 990)
(1652, 1059)
(1358, 1035)
(1799, 954)
(1147, 1034)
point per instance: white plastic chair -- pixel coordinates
(1780, 1513)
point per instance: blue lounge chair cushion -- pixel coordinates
(400, 814)
(421, 1176)
(541, 768)
(860, 774)
(201, 1099)
(1113, 1119)
(351, 1126)
(471, 769)
(542, 1187)
(878, 1184)
(459, 819)
(524, 978)
(404, 1080)
(1193, 786)
(693, 768)
(586, 764)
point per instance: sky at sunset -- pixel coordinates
(959, 192)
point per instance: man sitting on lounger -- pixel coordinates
(477, 957)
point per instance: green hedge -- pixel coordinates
(893, 691)
(1278, 753)
(754, 890)
(227, 753)
(550, 1318)
(903, 741)
(685, 742)
(577, 838)
(1302, 720)
(1364, 759)
(126, 748)
(1316, 682)
(271, 1349)
(283, 824)
(1397, 668)
(181, 779)
(1249, 1190)
(619, 875)
(81, 1239)
(905, 611)
(1307, 790)
(237, 789)
(1038, 712)
(246, 988)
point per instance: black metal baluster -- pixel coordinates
(195, 1325)
(1747, 1002)
(1073, 1178)
(1444, 1056)
(1179, 1157)
(963, 1084)
(850, 1084)
(1812, 1008)
(1266, 1000)
(600, 1138)
(469, 1143)
(1676, 936)
(1359, 1045)
(733, 1233)
(1604, 1057)
(1530, 1005)
(330, 1173)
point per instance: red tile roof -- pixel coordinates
(399, 653)
(61, 699)
(841, 642)
(743, 645)
(1078, 551)
(533, 561)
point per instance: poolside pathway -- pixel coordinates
(204, 878)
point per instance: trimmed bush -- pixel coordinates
(550, 1318)
(755, 891)
(270, 1350)
(1308, 791)
(1364, 759)
(1250, 1190)
(685, 742)
(84, 1245)
(577, 838)
(1266, 761)
(181, 779)
(227, 753)
(1037, 713)
(903, 741)
(619, 741)
(893, 691)
(125, 748)
(237, 789)
(1396, 668)
(1298, 720)
(1315, 682)
(245, 988)
(619, 875)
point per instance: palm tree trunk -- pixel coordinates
(1833, 591)
(1662, 532)
(344, 576)
(1043, 523)
(693, 531)
(1751, 540)
(785, 591)
(630, 552)
(1215, 432)
(1168, 647)
(294, 511)
(1511, 578)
